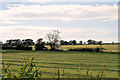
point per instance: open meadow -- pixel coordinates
(69, 61)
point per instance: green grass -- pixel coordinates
(50, 61)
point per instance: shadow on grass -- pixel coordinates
(66, 67)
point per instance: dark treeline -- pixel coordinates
(54, 42)
(26, 44)
(29, 44)
(74, 42)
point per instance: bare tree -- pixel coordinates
(53, 38)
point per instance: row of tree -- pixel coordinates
(74, 42)
(54, 41)
(30, 42)
(40, 43)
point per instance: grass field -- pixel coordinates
(50, 61)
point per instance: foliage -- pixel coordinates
(40, 45)
(94, 42)
(28, 70)
(27, 42)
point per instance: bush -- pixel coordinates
(28, 70)
(87, 49)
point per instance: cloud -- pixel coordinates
(59, 12)
(34, 32)
(23, 32)
(41, 1)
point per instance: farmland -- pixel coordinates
(69, 61)
(107, 48)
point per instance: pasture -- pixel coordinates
(69, 61)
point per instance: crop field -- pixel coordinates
(69, 61)
(107, 48)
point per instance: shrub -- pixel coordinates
(87, 49)
(28, 70)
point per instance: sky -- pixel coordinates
(76, 20)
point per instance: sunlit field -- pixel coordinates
(69, 61)
(107, 48)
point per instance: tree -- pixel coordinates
(1, 43)
(39, 41)
(74, 42)
(100, 42)
(13, 42)
(89, 41)
(113, 42)
(54, 39)
(62, 42)
(40, 45)
(66, 43)
(70, 42)
(27, 42)
(92, 41)
(80, 43)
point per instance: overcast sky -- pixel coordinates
(75, 20)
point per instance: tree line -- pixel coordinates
(54, 41)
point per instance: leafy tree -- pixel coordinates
(74, 42)
(70, 42)
(27, 42)
(100, 42)
(89, 41)
(1, 43)
(66, 43)
(39, 40)
(92, 41)
(40, 45)
(80, 42)
(54, 39)
(13, 42)
(113, 42)
(62, 42)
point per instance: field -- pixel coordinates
(50, 61)
(107, 48)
